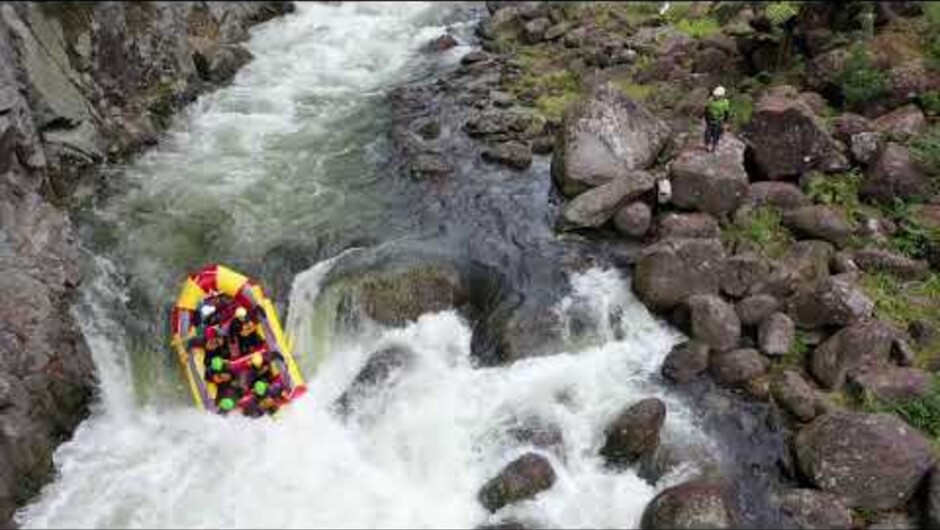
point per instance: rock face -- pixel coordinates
(890, 383)
(775, 334)
(693, 504)
(849, 348)
(754, 309)
(79, 84)
(741, 272)
(634, 432)
(685, 361)
(524, 478)
(714, 322)
(876, 259)
(736, 367)
(894, 175)
(808, 509)
(871, 460)
(805, 265)
(902, 124)
(836, 301)
(633, 219)
(673, 269)
(714, 183)
(605, 138)
(788, 139)
(782, 195)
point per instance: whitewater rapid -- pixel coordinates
(415, 454)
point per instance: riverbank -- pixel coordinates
(82, 86)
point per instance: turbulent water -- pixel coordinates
(297, 146)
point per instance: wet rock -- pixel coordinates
(714, 321)
(776, 334)
(441, 44)
(516, 155)
(596, 206)
(788, 139)
(755, 308)
(737, 367)
(877, 259)
(505, 524)
(382, 369)
(688, 225)
(633, 433)
(902, 124)
(781, 195)
(523, 478)
(865, 147)
(685, 361)
(605, 138)
(534, 31)
(890, 383)
(430, 166)
(819, 222)
(794, 394)
(429, 129)
(870, 460)
(836, 301)
(714, 183)
(863, 344)
(633, 220)
(808, 509)
(220, 64)
(693, 504)
(894, 175)
(671, 270)
(538, 433)
(741, 272)
(502, 124)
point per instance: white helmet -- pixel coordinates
(719, 91)
(207, 310)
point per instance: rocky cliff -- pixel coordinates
(81, 84)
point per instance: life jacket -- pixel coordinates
(718, 110)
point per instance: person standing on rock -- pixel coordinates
(716, 114)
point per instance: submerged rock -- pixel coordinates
(516, 155)
(523, 478)
(381, 369)
(685, 361)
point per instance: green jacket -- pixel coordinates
(718, 110)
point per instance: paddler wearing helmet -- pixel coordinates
(245, 330)
(717, 112)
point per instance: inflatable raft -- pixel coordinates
(215, 282)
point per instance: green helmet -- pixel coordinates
(217, 363)
(227, 404)
(261, 388)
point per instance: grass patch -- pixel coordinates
(554, 88)
(554, 106)
(633, 90)
(926, 151)
(837, 190)
(912, 238)
(796, 357)
(859, 80)
(903, 302)
(923, 413)
(930, 102)
(742, 108)
(698, 28)
(761, 229)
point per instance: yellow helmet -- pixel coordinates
(257, 359)
(241, 313)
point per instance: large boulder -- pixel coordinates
(890, 383)
(876, 259)
(686, 225)
(671, 270)
(819, 222)
(871, 460)
(788, 139)
(604, 138)
(633, 220)
(895, 174)
(781, 195)
(714, 183)
(850, 348)
(755, 308)
(596, 206)
(737, 367)
(741, 272)
(847, 125)
(523, 478)
(835, 301)
(714, 322)
(383, 368)
(794, 394)
(808, 509)
(634, 432)
(805, 264)
(902, 124)
(694, 504)
(684, 361)
(775, 334)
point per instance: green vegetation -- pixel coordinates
(796, 357)
(932, 16)
(742, 107)
(903, 302)
(698, 28)
(922, 413)
(930, 102)
(633, 90)
(551, 88)
(912, 238)
(837, 190)
(762, 229)
(926, 151)
(859, 80)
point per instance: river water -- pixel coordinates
(276, 173)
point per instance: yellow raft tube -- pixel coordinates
(209, 282)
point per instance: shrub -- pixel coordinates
(742, 107)
(926, 150)
(930, 102)
(836, 190)
(698, 28)
(859, 80)
(761, 228)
